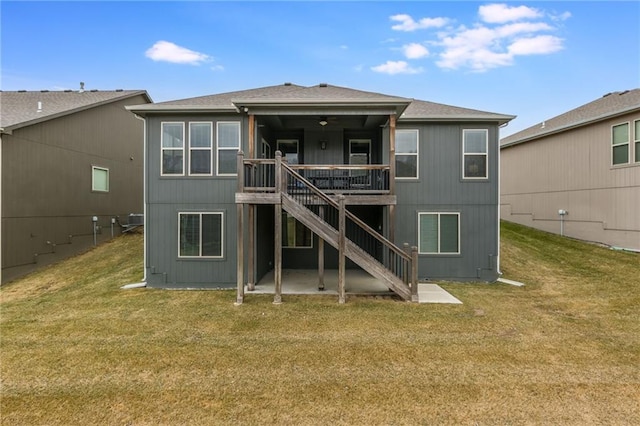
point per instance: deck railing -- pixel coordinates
(259, 176)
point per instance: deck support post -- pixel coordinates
(251, 272)
(341, 249)
(240, 232)
(414, 274)
(277, 272)
(321, 254)
(392, 176)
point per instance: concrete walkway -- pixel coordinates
(357, 282)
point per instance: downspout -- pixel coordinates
(499, 198)
(144, 195)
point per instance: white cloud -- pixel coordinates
(217, 68)
(396, 67)
(539, 45)
(408, 24)
(500, 13)
(170, 52)
(415, 51)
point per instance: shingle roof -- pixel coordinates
(20, 108)
(419, 110)
(294, 95)
(610, 105)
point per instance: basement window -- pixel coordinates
(620, 144)
(200, 235)
(295, 234)
(99, 179)
(439, 233)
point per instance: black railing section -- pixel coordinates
(346, 178)
(362, 235)
(259, 175)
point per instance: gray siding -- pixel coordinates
(440, 188)
(46, 183)
(167, 196)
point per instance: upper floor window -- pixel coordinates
(200, 155)
(99, 179)
(474, 153)
(200, 234)
(439, 233)
(637, 140)
(172, 148)
(620, 144)
(228, 137)
(407, 154)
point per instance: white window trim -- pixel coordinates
(636, 141)
(222, 242)
(439, 238)
(93, 183)
(199, 148)
(226, 148)
(628, 143)
(417, 154)
(486, 154)
(162, 148)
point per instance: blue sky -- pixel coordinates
(531, 59)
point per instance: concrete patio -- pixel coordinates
(358, 282)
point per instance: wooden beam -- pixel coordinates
(341, 250)
(414, 274)
(277, 272)
(252, 136)
(392, 176)
(321, 255)
(251, 249)
(240, 255)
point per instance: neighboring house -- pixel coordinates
(584, 163)
(67, 156)
(408, 171)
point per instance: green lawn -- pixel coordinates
(564, 349)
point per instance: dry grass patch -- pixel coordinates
(562, 350)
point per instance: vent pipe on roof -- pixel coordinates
(81, 87)
(543, 125)
(39, 107)
(323, 84)
(287, 83)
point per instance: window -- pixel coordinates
(407, 154)
(200, 148)
(637, 141)
(474, 153)
(295, 234)
(620, 144)
(200, 235)
(439, 233)
(360, 154)
(289, 150)
(99, 179)
(172, 148)
(228, 137)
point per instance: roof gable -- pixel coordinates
(608, 106)
(23, 108)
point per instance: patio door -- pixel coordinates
(360, 154)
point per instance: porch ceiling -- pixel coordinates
(334, 121)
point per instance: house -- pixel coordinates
(578, 174)
(239, 184)
(67, 157)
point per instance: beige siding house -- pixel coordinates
(578, 174)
